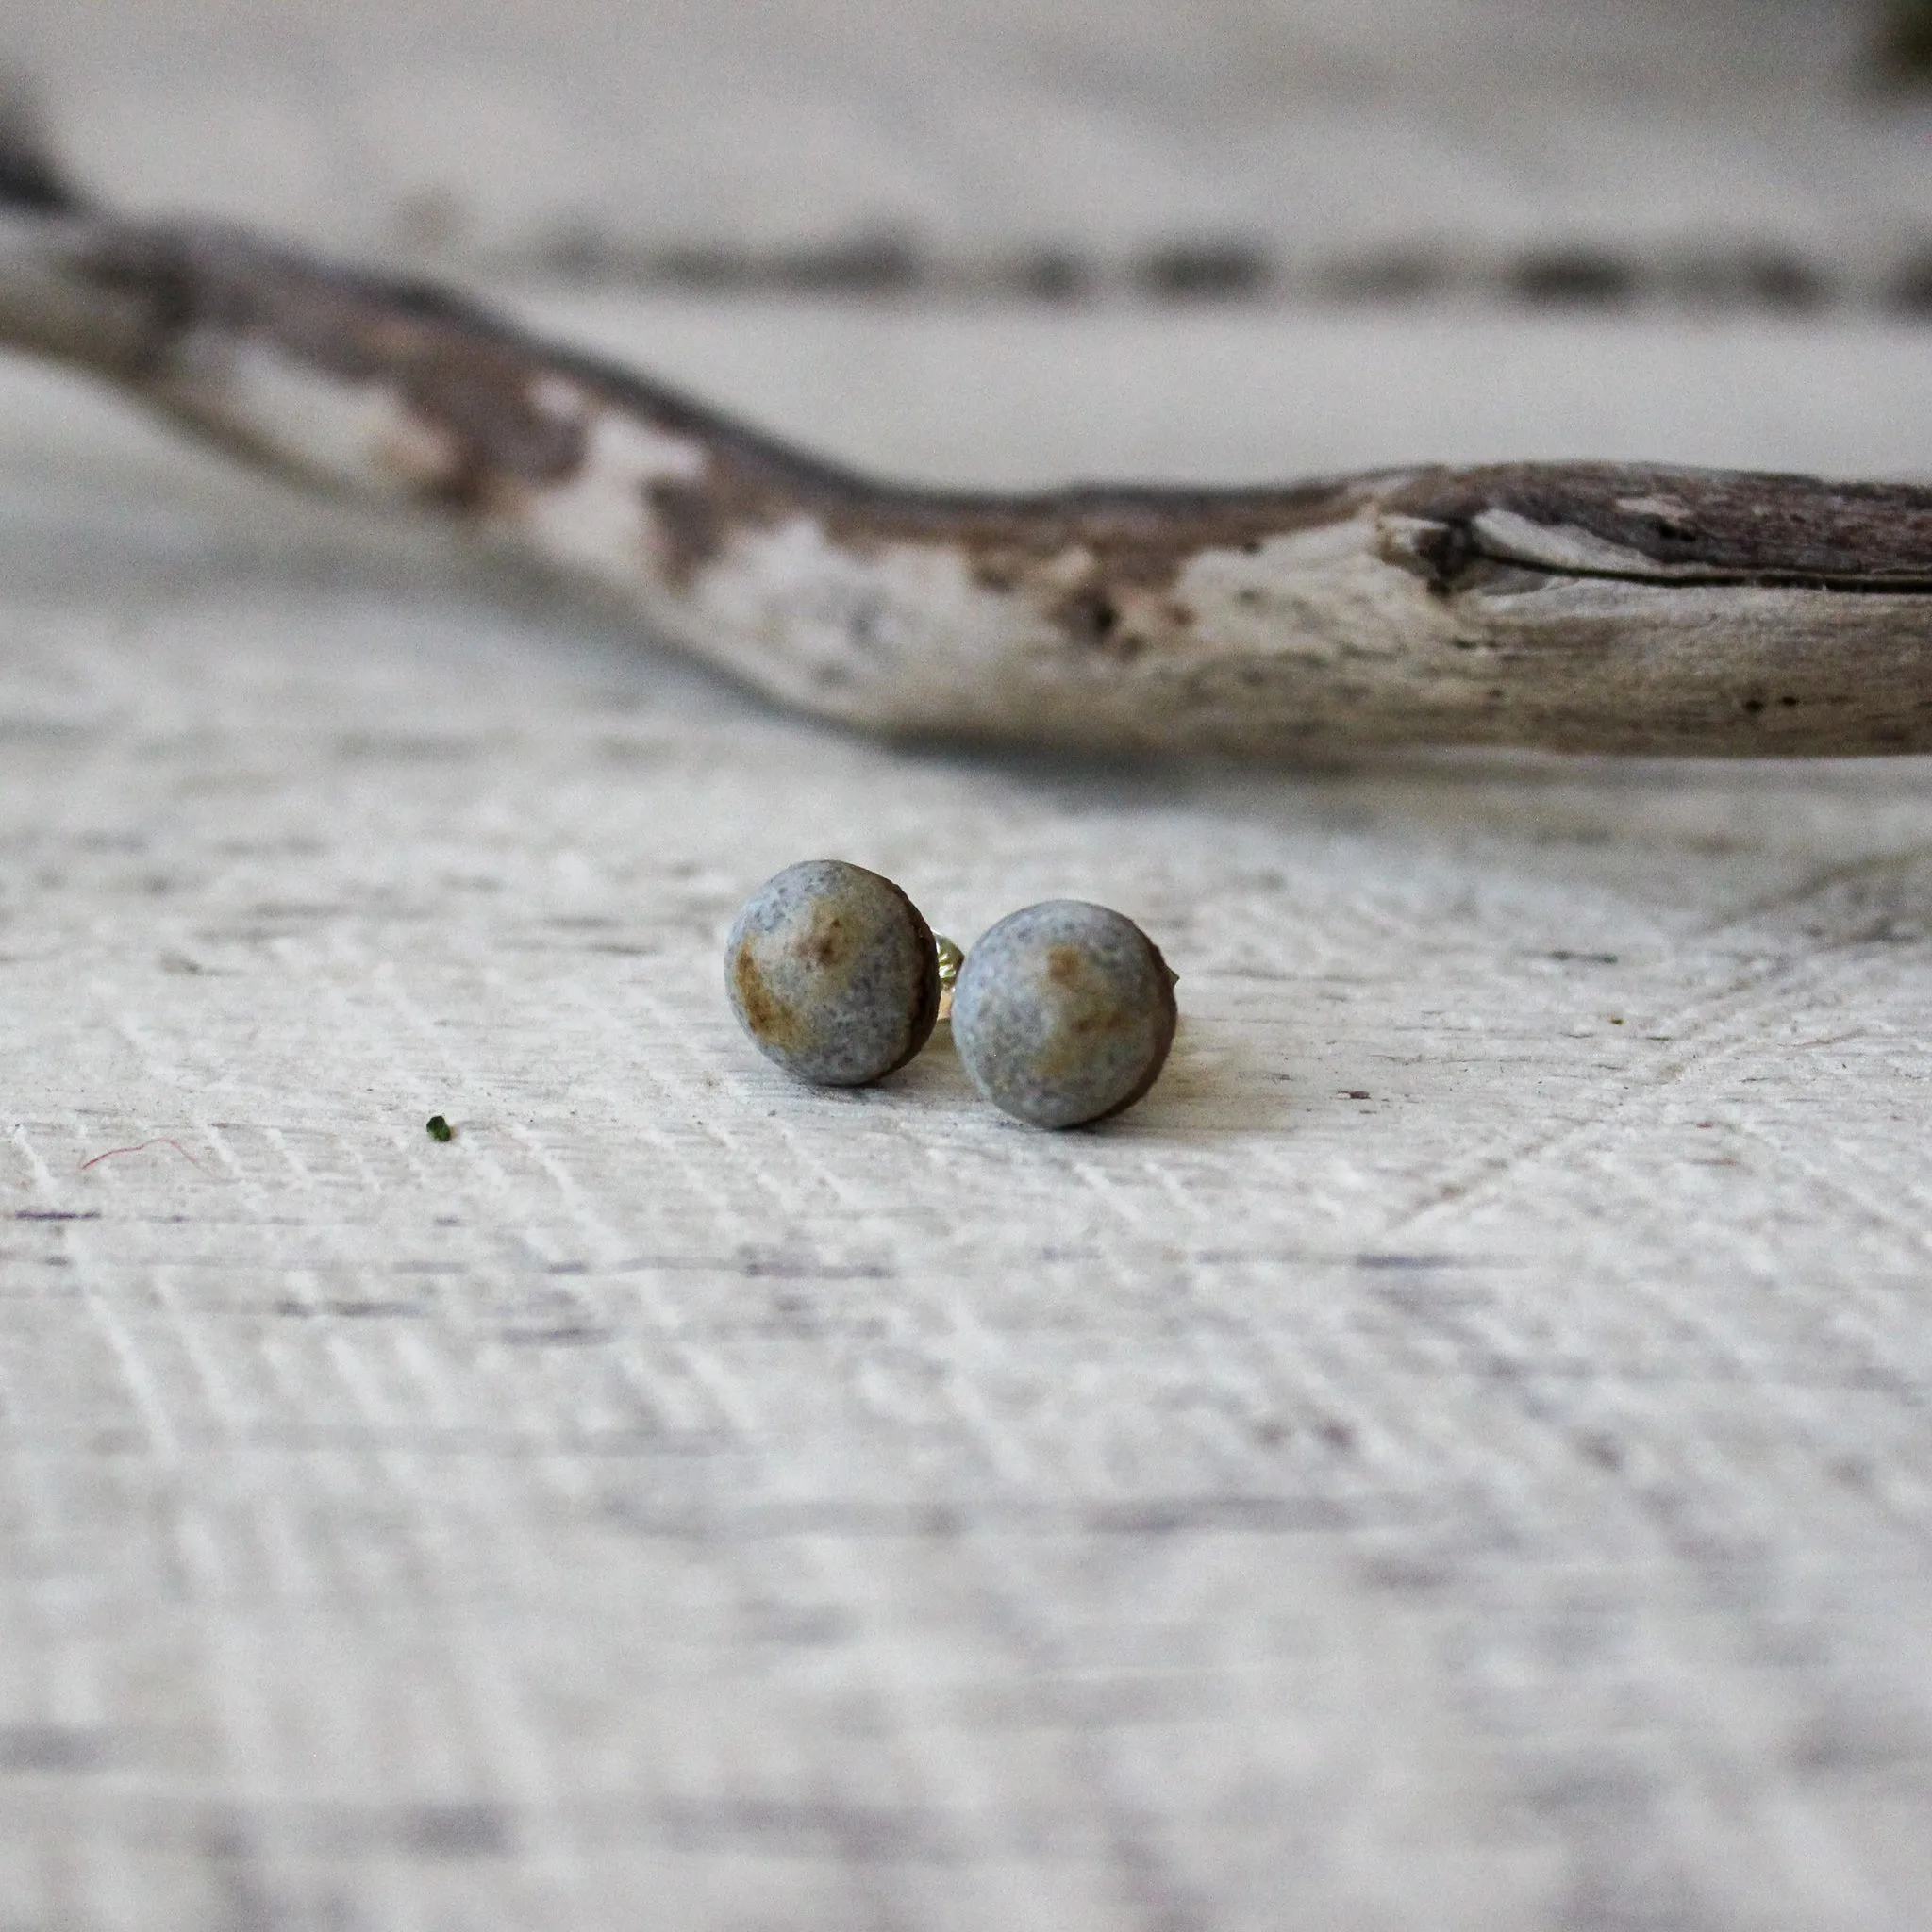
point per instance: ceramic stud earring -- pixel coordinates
(833, 973)
(1063, 1013)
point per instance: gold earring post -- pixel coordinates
(951, 958)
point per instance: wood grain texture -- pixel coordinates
(1454, 1456)
(1581, 607)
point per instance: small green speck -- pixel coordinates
(439, 1129)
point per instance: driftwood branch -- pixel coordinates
(1577, 606)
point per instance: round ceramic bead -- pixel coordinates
(1063, 1013)
(833, 973)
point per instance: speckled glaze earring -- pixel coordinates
(1062, 1016)
(833, 973)
(1063, 1013)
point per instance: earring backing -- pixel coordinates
(951, 958)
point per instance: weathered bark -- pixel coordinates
(1589, 607)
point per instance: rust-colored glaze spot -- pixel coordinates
(1064, 965)
(827, 941)
(1075, 1046)
(768, 1017)
(1105, 1019)
(1087, 1015)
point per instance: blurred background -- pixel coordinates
(1761, 151)
(1009, 242)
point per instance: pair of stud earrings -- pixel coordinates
(1062, 1014)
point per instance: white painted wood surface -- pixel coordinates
(1456, 1456)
